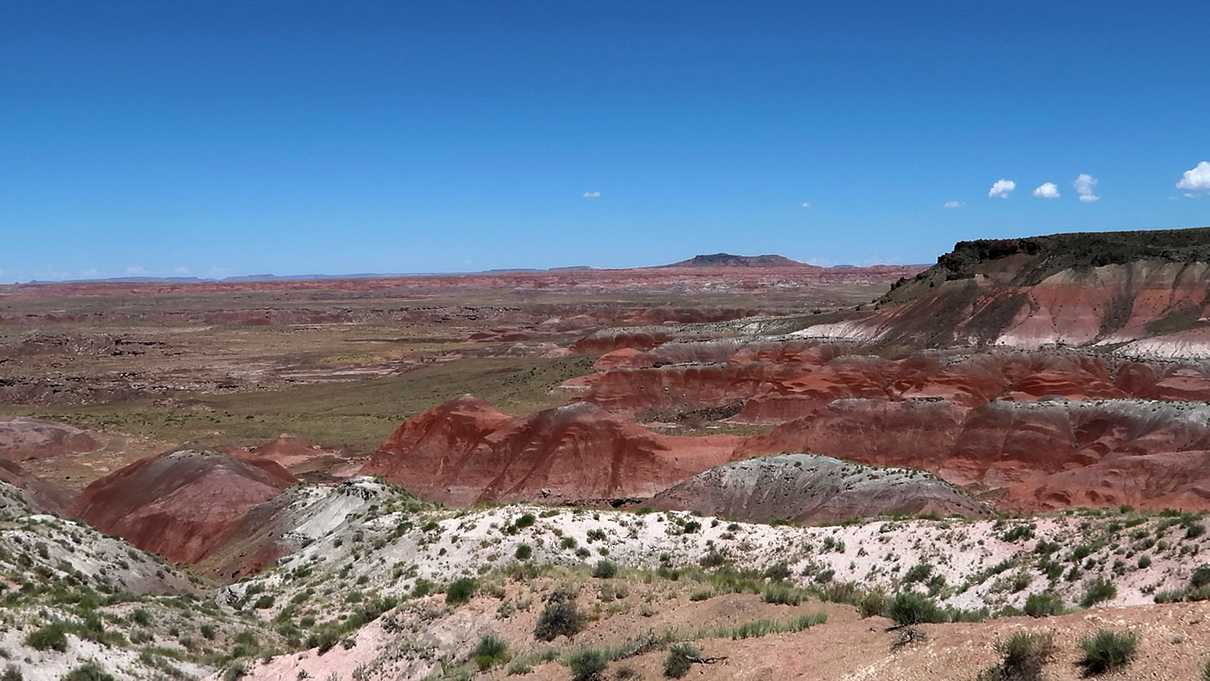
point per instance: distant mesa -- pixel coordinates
(730, 260)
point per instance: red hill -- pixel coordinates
(179, 504)
(465, 451)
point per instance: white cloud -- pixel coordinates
(1047, 190)
(1086, 187)
(180, 269)
(592, 195)
(953, 204)
(136, 269)
(806, 204)
(1001, 189)
(1196, 180)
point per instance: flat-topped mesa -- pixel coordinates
(180, 504)
(730, 260)
(1138, 293)
(465, 451)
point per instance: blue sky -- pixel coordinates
(224, 138)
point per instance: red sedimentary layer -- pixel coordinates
(1041, 455)
(782, 381)
(180, 504)
(466, 451)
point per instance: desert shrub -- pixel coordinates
(758, 628)
(680, 657)
(1096, 591)
(264, 602)
(52, 636)
(524, 551)
(560, 617)
(422, 588)
(1022, 657)
(567, 543)
(778, 572)
(1206, 671)
(1017, 533)
(913, 608)
(461, 590)
(491, 651)
(595, 534)
(604, 569)
(1200, 577)
(141, 617)
(526, 520)
(781, 594)
(872, 602)
(12, 673)
(918, 573)
(89, 671)
(587, 665)
(1045, 604)
(712, 559)
(1107, 651)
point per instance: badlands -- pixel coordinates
(726, 468)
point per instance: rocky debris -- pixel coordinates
(288, 522)
(807, 488)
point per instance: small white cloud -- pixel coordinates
(1196, 179)
(136, 269)
(1001, 189)
(592, 195)
(1086, 187)
(953, 204)
(1047, 190)
(806, 204)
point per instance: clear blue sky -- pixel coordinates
(230, 138)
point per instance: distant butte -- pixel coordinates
(729, 260)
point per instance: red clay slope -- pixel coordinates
(26, 438)
(179, 504)
(1034, 455)
(779, 381)
(466, 451)
(1141, 293)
